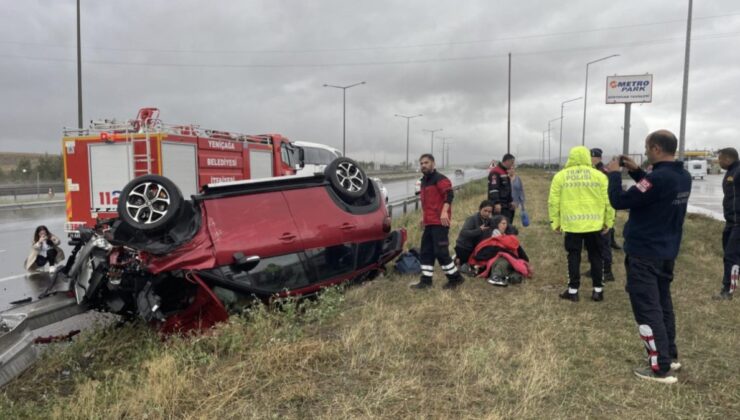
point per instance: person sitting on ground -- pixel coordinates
(476, 228)
(44, 250)
(501, 258)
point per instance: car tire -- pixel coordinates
(150, 203)
(347, 178)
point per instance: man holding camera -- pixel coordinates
(652, 236)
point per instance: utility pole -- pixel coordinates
(444, 142)
(562, 107)
(684, 96)
(79, 71)
(408, 118)
(585, 95)
(508, 113)
(344, 113)
(432, 133)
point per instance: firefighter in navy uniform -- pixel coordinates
(728, 160)
(436, 205)
(652, 237)
(499, 188)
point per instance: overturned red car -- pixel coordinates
(180, 263)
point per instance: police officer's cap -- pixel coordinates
(596, 152)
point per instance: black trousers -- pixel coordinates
(462, 254)
(435, 246)
(51, 257)
(649, 288)
(574, 243)
(731, 247)
(508, 213)
(606, 250)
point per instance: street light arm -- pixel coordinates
(602, 59)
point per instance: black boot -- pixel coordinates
(573, 297)
(424, 283)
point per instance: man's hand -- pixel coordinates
(512, 206)
(557, 229)
(497, 208)
(630, 164)
(604, 231)
(444, 219)
(485, 228)
(613, 165)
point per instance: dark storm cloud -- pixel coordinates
(259, 66)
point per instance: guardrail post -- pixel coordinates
(404, 206)
(416, 203)
(390, 211)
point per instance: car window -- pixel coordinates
(276, 274)
(332, 261)
(368, 253)
(327, 157)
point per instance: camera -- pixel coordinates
(621, 161)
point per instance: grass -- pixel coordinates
(380, 350)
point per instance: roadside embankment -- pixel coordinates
(381, 350)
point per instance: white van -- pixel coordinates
(697, 168)
(316, 156)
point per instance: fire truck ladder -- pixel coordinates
(141, 158)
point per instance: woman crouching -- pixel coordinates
(500, 258)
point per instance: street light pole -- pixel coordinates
(408, 118)
(549, 147)
(344, 112)
(79, 71)
(543, 147)
(432, 132)
(585, 95)
(685, 93)
(562, 107)
(444, 160)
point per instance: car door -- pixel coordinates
(253, 224)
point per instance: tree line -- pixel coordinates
(47, 168)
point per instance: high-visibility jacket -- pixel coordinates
(579, 199)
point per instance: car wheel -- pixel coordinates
(347, 178)
(150, 203)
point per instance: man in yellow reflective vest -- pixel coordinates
(579, 208)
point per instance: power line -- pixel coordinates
(372, 48)
(381, 63)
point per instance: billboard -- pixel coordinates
(627, 89)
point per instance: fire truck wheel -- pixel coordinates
(150, 203)
(347, 178)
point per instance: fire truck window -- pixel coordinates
(285, 156)
(311, 156)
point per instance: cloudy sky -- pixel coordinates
(256, 66)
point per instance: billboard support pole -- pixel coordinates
(626, 143)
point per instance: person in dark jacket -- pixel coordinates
(652, 237)
(499, 188)
(728, 160)
(476, 228)
(608, 238)
(436, 205)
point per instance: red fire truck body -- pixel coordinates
(100, 160)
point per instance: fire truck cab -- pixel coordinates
(100, 160)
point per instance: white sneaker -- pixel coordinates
(675, 365)
(52, 269)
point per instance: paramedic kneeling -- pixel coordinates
(657, 204)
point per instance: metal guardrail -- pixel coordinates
(31, 205)
(31, 189)
(410, 204)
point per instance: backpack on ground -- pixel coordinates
(408, 263)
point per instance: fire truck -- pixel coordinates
(100, 160)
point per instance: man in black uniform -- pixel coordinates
(499, 188)
(606, 240)
(657, 205)
(436, 206)
(728, 160)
